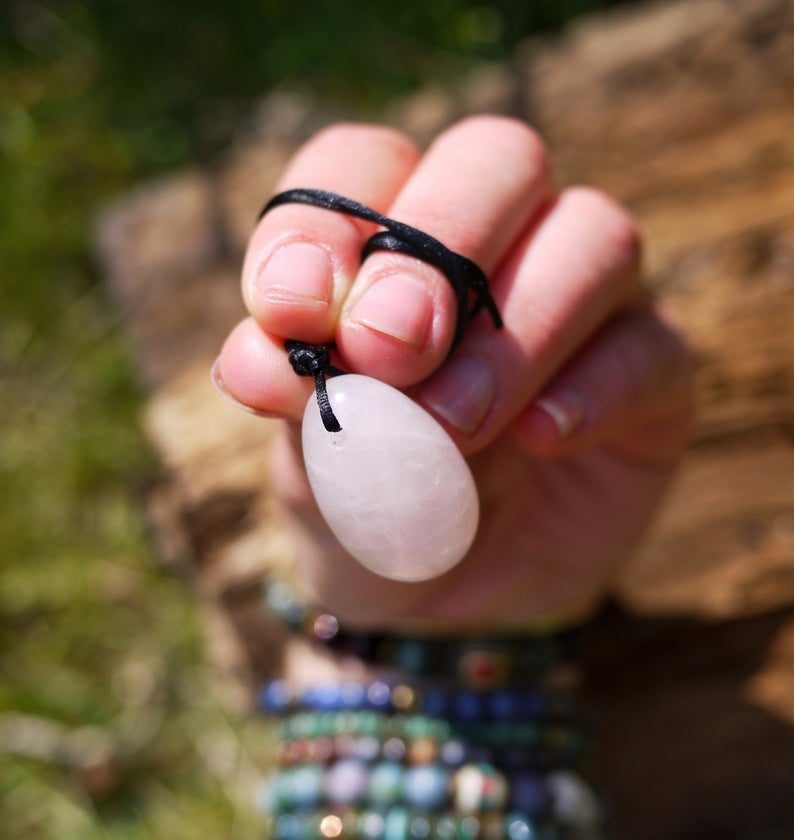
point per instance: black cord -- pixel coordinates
(463, 274)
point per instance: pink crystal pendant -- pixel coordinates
(392, 485)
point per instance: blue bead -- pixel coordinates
(427, 786)
(519, 827)
(386, 783)
(467, 706)
(435, 703)
(288, 827)
(323, 698)
(379, 696)
(502, 705)
(453, 752)
(352, 695)
(276, 697)
(528, 793)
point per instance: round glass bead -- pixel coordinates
(306, 785)
(502, 705)
(321, 749)
(322, 698)
(467, 706)
(403, 698)
(446, 828)
(282, 600)
(346, 782)
(288, 827)
(518, 827)
(371, 825)
(276, 697)
(573, 802)
(468, 828)
(386, 783)
(418, 726)
(422, 751)
(352, 695)
(528, 793)
(435, 702)
(325, 627)
(394, 749)
(367, 748)
(379, 696)
(453, 752)
(368, 723)
(331, 826)
(396, 824)
(419, 828)
(479, 787)
(344, 746)
(427, 786)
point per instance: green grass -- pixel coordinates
(108, 723)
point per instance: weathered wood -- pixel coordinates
(684, 110)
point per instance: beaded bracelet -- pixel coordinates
(478, 662)
(474, 740)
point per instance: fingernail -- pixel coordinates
(565, 409)
(462, 392)
(397, 305)
(299, 272)
(220, 387)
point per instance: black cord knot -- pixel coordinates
(308, 359)
(315, 360)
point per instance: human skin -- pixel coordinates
(573, 416)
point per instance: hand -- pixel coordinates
(573, 416)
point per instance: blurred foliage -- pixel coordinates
(108, 727)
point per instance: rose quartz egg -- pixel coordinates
(392, 485)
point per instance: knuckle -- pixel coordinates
(343, 134)
(618, 227)
(503, 136)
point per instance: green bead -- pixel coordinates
(396, 824)
(306, 785)
(343, 723)
(468, 828)
(418, 726)
(386, 783)
(446, 828)
(419, 828)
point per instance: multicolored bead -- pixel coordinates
(479, 787)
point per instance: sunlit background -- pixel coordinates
(108, 725)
